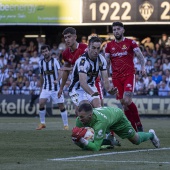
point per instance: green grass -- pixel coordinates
(24, 148)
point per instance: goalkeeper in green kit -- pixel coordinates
(102, 120)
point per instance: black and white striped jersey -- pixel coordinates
(89, 67)
(49, 71)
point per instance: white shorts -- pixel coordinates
(79, 95)
(46, 94)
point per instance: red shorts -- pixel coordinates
(99, 87)
(124, 84)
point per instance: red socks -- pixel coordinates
(130, 117)
(132, 107)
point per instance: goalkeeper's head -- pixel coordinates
(85, 112)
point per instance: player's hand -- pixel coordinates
(95, 94)
(142, 72)
(78, 133)
(60, 93)
(113, 91)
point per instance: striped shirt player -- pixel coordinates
(91, 68)
(50, 73)
(50, 77)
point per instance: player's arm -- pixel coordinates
(83, 83)
(107, 57)
(111, 90)
(141, 59)
(100, 133)
(41, 79)
(65, 74)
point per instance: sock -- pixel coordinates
(64, 118)
(130, 118)
(143, 136)
(132, 107)
(42, 116)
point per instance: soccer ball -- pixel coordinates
(89, 135)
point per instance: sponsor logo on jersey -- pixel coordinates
(100, 134)
(120, 54)
(113, 48)
(48, 72)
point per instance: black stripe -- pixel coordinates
(48, 76)
(54, 75)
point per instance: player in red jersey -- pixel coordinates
(70, 54)
(120, 53)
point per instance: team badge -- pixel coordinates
(124, 47)
(146, 10)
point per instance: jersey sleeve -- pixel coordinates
(107, 52)
(83, 65)
(134, 45)
(103, 64)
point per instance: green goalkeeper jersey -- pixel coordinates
(103, 120)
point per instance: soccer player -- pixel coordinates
(102, 120)
(50, 80)
(70, 55)
(120, 53)
(85, 72)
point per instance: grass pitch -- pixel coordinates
(24, 148)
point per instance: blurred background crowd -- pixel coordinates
(19, 72)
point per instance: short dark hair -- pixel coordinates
(70, 30)
(120, 24)
(87, 107)
(94, 39)
(44, 47)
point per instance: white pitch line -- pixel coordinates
(104, 154)
(101, 161)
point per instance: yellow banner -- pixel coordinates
(40, 11)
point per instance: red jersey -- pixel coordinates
(71, 57)
(121, 57)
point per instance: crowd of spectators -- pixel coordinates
(19, 73)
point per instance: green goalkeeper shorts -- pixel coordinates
(123, 128)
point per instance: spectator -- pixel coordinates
(13, 46)
(14, 89)
(166, 65)
(31, 48)
(84, 39)
(26, 89)
(147, 42)
(163, 40)
(62, 44)
(5, 89)
(158, 50)
(40, 42)
(23, 46)
(163, 90)
(149, 67)
(156, 77)
(34, 61)
(54, 49)
(139, 85)
(151, 90)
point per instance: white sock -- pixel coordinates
(42, 116)
(64, 118)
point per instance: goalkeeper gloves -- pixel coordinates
(78, 133)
